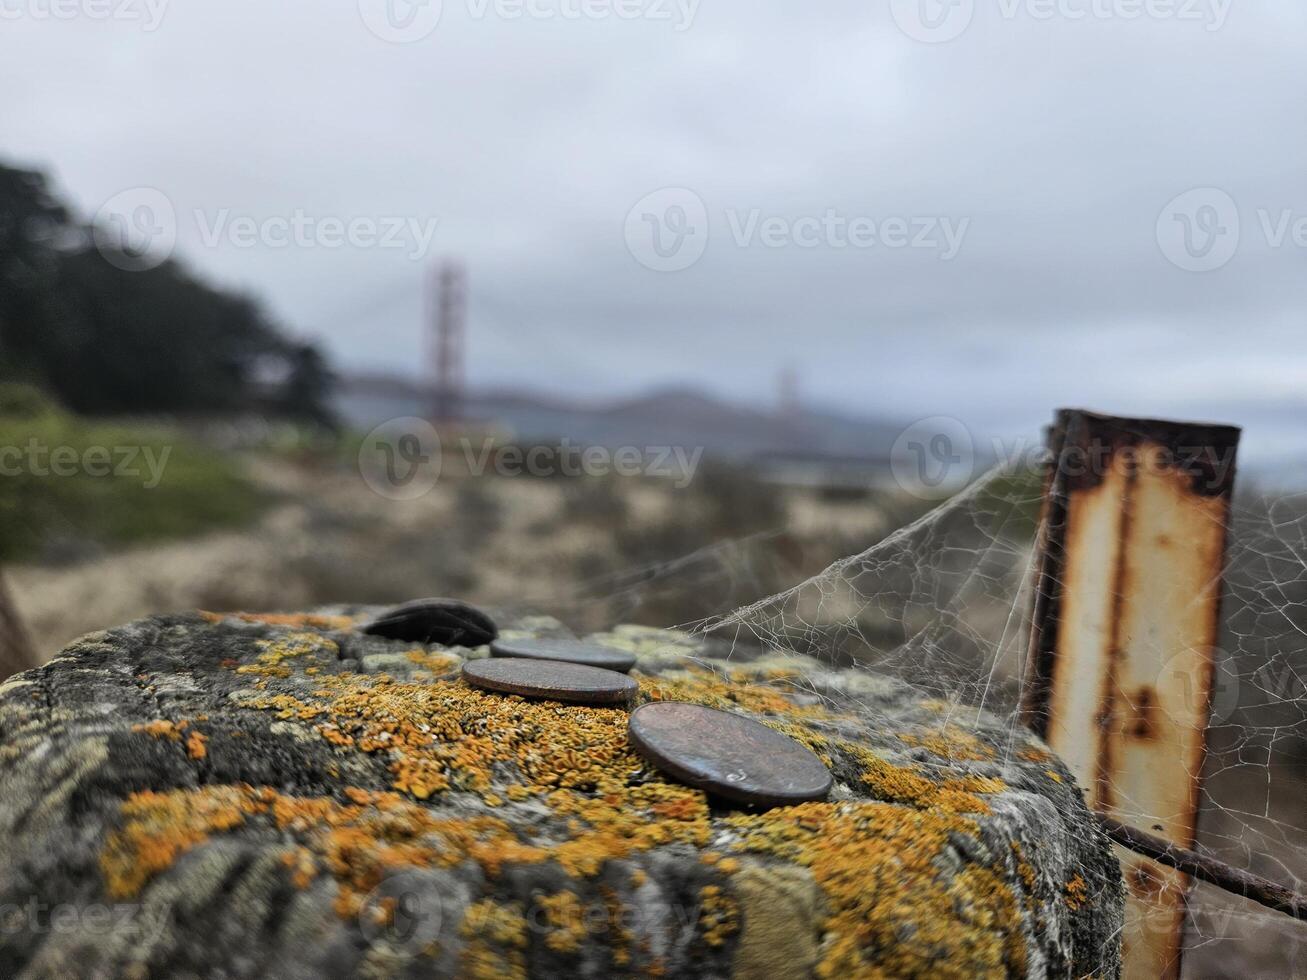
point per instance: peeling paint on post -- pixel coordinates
(1126, 612)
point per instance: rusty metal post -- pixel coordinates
(1126, 611)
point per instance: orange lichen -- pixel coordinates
(195, 745)
(293, 620)
(1024, 869)
(173, 731)
(907, 785)
(357, 843)
(299, 861)
(1076, 892)
(161, 827)
(892, 907)
(893, 912)
(437, 663)
(163, 728)
(444, 735)
(1032, 753)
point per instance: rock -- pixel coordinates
(232, 797)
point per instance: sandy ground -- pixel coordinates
(550, 545)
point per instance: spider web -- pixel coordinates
(944, 602)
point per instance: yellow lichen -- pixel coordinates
(271, 661)
(950, 742)
(710, 688)
(566, 920)
(497, 939)
(719, 915)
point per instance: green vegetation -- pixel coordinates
(63, 478)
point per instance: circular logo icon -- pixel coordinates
(401, 21)
(934, 458)
(1185, 693)
(667, 231)
(400, 459)
(404, 912)
(932, 21)
(136, 229)
(1198, 231)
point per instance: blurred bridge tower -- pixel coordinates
(447, 325)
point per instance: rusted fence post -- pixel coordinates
(1127, 605)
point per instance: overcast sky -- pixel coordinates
(928, 208)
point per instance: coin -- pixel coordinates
(448, 622)
(550, 679)
(727, 754)
(571, 651)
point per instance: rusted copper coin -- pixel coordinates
(448, 622)
(727, 754)
(550, 679)
(571, 651)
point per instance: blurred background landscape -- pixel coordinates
(231, 472)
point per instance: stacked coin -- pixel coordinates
(553, 679)
(571, 651)
(722, 753)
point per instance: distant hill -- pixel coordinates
(680, 416)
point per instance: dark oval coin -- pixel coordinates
(551, 679)
(727, 754)
(448, 622)
(571, 651)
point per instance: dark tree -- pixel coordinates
(106, 340)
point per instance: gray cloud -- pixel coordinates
(1059, 141)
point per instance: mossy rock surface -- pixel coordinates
(264, 797)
